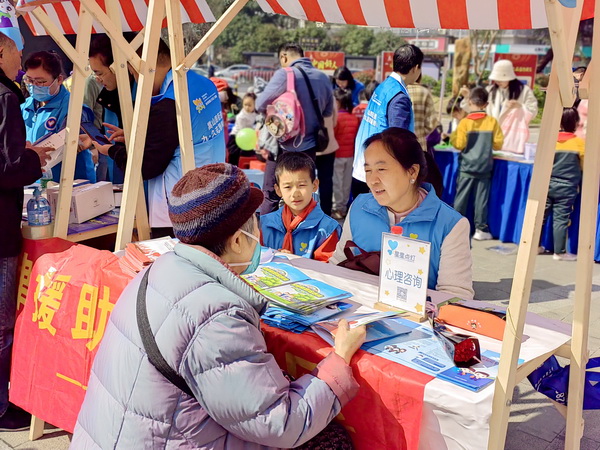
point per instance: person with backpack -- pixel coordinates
(301, 130)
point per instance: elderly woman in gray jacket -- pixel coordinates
(205, 320)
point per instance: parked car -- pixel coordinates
(232, 70)
(264, 72)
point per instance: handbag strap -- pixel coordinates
(291, 79)
(149, 342)
(312, 96)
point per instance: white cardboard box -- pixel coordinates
(88, 201)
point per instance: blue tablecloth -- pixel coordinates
(508, 198)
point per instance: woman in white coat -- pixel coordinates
(512, 103)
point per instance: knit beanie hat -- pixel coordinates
(210, 203)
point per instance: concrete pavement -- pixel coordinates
(534, 422)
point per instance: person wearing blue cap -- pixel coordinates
(19, 166)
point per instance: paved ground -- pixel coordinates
(534, 423)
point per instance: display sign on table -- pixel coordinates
(403, 273)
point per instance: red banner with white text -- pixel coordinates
(69, 300)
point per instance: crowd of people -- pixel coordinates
(363, 149)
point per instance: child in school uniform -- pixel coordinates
(476, 136)
(564, 182)
(345, 132)
(300, 227)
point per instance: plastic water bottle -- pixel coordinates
(38, 210)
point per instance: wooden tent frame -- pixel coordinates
(563, 26)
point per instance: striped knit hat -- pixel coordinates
(210, 203)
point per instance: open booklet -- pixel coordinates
(54, 140)
(291, 289)
(380, 325)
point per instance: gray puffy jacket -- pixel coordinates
(206, 323)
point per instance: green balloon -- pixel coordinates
(246, 139)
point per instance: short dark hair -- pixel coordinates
(291, 47)
(101, 47)
(453, 105)
(569, 120)
(478, 96)
(406, 57)
(345, 98)
(49, 61)
(344, 74)
(164, 52)
(404, 147)
(370, 89)
(295, 162)
(251, 95)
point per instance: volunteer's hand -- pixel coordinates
(284, 251)
(464, 91)
(102, 148)
(265, 154)
(85, 141)
(347, 340)
(94, 155)
(43, 153)
(114, 133)
(513, 104)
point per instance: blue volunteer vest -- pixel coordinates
(375, 119)
(307, 237)
(50, 118)
(431, 222)
(208, 136)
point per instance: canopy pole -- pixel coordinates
(530, 236)
(585, 256)
(63, 206)
(135, 149)
(180, 84)
(122, 73)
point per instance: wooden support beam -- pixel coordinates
(135, 149)
(530, 237)
(115, 34)
(585, 256)
(184, 120)
(63, 207)
(212, 34)
(59, 38)
(563, 54)
(122, 73)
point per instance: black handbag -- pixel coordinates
(322, 135)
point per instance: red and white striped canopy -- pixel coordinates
(448, 14)
(65, 14)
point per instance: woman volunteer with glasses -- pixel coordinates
(45, 111)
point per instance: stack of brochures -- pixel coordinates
(298, 323)
(139, 255)
(290, 289)
(380, 325)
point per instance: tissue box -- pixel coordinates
(88, 201)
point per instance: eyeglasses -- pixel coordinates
(36, 82)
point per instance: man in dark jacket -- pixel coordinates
(19, 166)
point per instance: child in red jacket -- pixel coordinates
(345, 134)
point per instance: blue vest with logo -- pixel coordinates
(431, 222)
(50, 118)
(306, 238)
(208, 137)
(375, 119)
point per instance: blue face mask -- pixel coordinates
(252, 265)
(41, 93)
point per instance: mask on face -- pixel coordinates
(41, 93)
(252, 265)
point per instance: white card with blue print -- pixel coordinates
(403, 273)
